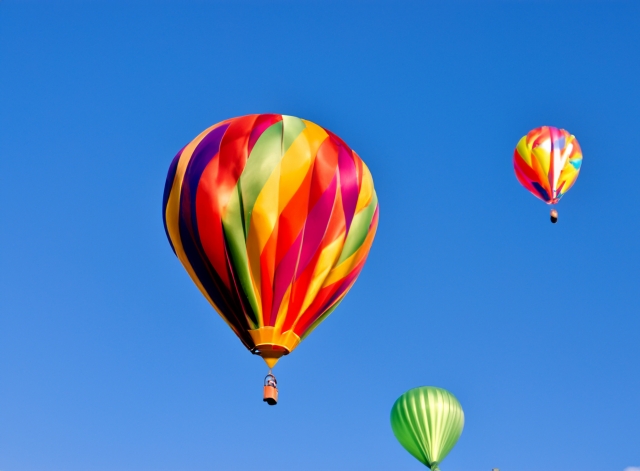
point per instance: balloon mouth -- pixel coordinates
(271, 344)
(270, 353)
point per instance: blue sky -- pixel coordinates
(110, 359)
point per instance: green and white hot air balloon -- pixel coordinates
(427, 421)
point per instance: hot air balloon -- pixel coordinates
(427, 422)
(273, 217)
(547, 163)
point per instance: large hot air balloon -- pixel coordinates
(427, 422)
(547, 163)
(272, 217)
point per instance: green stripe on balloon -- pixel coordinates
(292, 127)
(233, 225)
(265, 157)
(358, 230)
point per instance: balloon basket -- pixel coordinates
(553, 216)
(270, 395)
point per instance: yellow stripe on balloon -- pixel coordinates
(265, 212)
(295, 166)
(342, 270)
(539, 170)
(297, 161)
(327, 258)
(282, 311)
(263, 221)
(524, 150)
(568, 176)
(366, 189)
(315, 135)
(543, 157)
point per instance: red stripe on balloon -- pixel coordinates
(216, 186)
(285, 273)
(324, 169)
(292, 219)
(299, 290)
(267, 269)
(317, 223)
(359, 169)
(348, 184)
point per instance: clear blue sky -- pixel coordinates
(111, 360)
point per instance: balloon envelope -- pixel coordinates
(547, 162)
(272, 217)
(427, 422)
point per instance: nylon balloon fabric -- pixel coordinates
(547, 162)
(427, 421)
(273, 217)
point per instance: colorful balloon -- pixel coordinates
(272, 217)
(547, 162)
(427, 421)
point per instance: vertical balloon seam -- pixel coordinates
(419, 451)
(233, 229)
(422, 431)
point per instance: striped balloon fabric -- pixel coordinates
(272, 217)
(547, 162)
(428, 422)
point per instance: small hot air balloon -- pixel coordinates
(427, 422)
(272, 217)
(547, 163)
